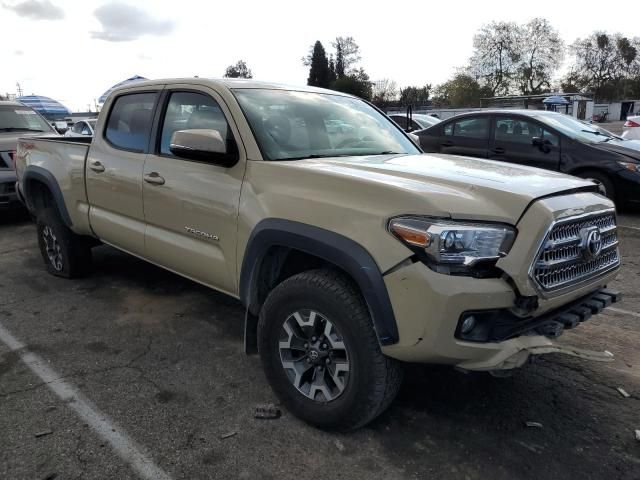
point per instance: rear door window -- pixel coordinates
(472, 128)
(129, 124)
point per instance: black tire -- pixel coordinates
(603, 179)
(65, 254)
(373, 380)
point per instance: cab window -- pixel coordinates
(129, 123)
(191, 110)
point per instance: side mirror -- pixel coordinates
(204, 145)
(543, 145)
(61, 127)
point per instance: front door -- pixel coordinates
(114, 172)
(191, 207)
(524, 141)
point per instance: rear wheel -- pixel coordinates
(320, 352)
(604, 182)
(65, 254)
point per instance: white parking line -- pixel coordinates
(124, 446)
(626, 312)
(627, 226)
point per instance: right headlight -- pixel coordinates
(461, 245)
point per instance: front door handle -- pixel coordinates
(447, 144)
(96, 166)
(154, 178)
(498, 151)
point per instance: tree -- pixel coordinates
(239, 70)
(496, 56)
(319, 74)
(541, 54)
(383, 91)
(356, 83)
(347, 54)
(606, 64)
(461, 91)
(415, 95)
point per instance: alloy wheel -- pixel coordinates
(52, 247)
(314, 355)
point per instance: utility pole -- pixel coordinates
(19, 89)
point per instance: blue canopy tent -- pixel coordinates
(45, 106)
(105, 95)
(554, 100)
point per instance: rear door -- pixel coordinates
(114, 171)
(191, 207)
(524, 141)
(466, 136)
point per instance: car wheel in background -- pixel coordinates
(604, 182)
(320, 352)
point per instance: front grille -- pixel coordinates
(565, 259)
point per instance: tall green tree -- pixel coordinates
(347, 54)
(319, 74)
(606, 65)
(415, 95)
(239, 70)
(356, 83)
(461, 91)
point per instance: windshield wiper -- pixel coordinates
(19, 129)
(316, 155)
(388, 152)
(599, 134)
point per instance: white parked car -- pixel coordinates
(82, 128)
(632, 128)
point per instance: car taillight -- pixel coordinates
(631, 123)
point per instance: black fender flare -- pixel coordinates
(39, 174)
(333, 248)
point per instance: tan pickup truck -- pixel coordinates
(352, 251)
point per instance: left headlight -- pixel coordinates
(453, 243)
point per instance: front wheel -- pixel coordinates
(320, 352)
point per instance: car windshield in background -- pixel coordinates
(14, 118)
(576, 129)
(425, 120)
(291, 125)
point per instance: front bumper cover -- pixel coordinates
(497, 325)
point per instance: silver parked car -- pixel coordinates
(418, 121)
(16, 120)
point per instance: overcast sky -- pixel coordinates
(73, 51)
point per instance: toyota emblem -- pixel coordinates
(591, 242)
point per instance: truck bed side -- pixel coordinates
(52, 169)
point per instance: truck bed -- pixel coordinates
(62, 160)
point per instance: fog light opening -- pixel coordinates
(468, 324)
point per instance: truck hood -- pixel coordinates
(456, 186)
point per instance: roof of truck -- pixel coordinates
(232, 83)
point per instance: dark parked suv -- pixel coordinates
(543, 139)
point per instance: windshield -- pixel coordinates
(92, 123)
(15, 118)
(577, 129)
(425, 120)
(292, 125)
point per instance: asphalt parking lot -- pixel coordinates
(134, 371)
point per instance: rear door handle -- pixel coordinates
(96, 166)
(498, 151)
(154, 178)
